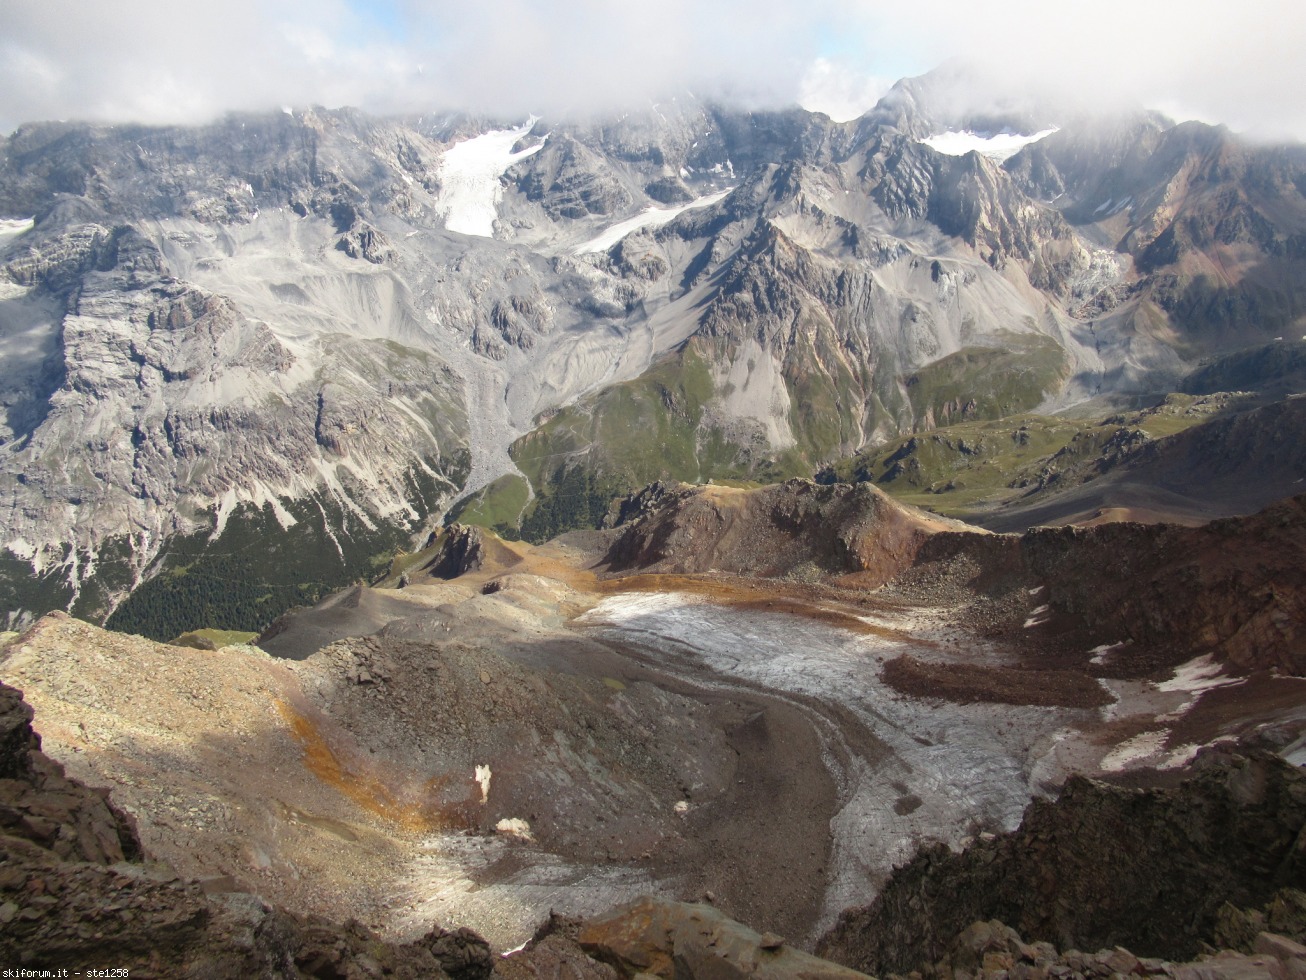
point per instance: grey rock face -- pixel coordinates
(282, 305)
(163, 401)
(572, 181)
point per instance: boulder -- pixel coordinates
(696, 942)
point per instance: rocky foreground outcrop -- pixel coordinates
(44, 809)
(676, 940)
(993, 951)
(1099, 867)
(75, 892)
(680, 941)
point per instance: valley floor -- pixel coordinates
(541, 734)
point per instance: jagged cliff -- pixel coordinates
(322, 328)
(1101, 866)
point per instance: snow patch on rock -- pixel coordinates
(1142, 746)
(1102, 653)
(1199, 674)
(469, 177)
(1038, 617)
(13, 227)
(514, 827)
(650, 217)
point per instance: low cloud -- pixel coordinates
(839, 91)
(1239, 64)
(188, 60)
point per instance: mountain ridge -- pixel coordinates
(853, 284)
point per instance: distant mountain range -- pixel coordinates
(243, 363)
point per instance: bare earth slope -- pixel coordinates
(774, 531)
(544, 731)
(75, 889)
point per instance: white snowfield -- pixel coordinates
(1198, 675)
(470, 191)
(650, 217)
(999, 147)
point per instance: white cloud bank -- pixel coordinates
(842, 93)
(187, 60)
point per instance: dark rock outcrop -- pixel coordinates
(554, 954)
(462, 550)
(668, 190)
(993, 951)
(41, 807)
(791, 528)
(1233, 588)
(461, 953)
(365, 242)
(1099, 867)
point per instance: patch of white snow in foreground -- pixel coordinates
(1101, 654)
(1149, 748)
(1201, 674)
(650, 217)
(1142, 746)
(514, 827)
(1038, 617)
(999, 147)
(469, 179)
(1195, 678)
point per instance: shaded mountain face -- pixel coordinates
(1227, 834)
(263, 352)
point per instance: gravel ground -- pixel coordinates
(510, 744)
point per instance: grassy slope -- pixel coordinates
(654, 427)
(208, 639)
(498, 506)
(658, 426)
(956, 469)
(988, 382)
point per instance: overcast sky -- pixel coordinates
(190, 60)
